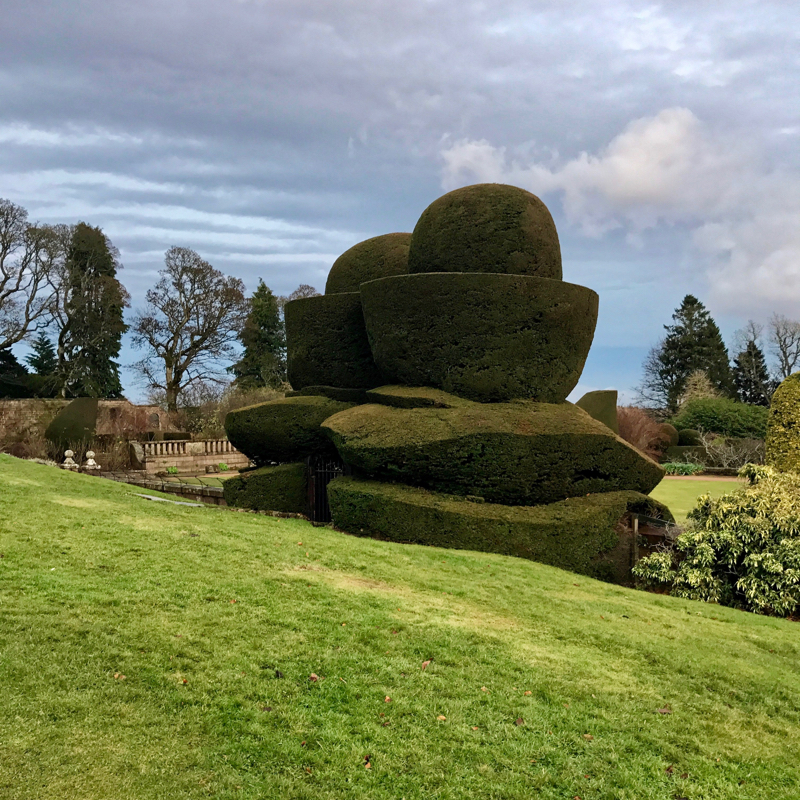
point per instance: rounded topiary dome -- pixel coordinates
(489, 227)
(379, 257)
(783, 426)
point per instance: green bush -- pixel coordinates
(689, 438)
(75, 425)
(519, 453)
(327, 345)
(783, 426)
(172, 470)
(724, 417)
(486, 337)
(602, 406)
(333, 392)
(279, 488)
(488, 227)
(682, 468)
(378, 257)
(669, 434)
(742, 549)
(580, 534)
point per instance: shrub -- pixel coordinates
(783, 427)
(682, 468)
(724, 417)
(731, 453)
(75, 425)
(278, 488)
(378, 257)
(670, 434)
(172, 470)
(602, 405)
(642, 430)
(222, 466)
(742, 549)
(689, 437)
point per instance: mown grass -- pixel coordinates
(680, 494)
(216, 620)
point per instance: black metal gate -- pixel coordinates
(321, 471)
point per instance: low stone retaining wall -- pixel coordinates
(188, 456)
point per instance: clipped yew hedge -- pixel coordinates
(326, 343)
(485, 337)
(280, 488)
(723, 416)
(783, 427)
(414, 397)
(488, 227)
(519, 453)
(333, 392)
(378, 257)
(602, 406)
(287, 429)
(75, 425)
(580, 534)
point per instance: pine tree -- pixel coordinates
(693, 342)
(44, 360)
(91, 315)
(263, 362)
(751, 377)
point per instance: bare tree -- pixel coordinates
(784, 339)
(189, 327)
(29, 257)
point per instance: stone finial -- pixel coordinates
(90, 463)
(69, 463)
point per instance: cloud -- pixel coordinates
(673, 171)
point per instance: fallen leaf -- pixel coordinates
(387, 699)
(308, 770)
(302, 744)
(367, 765)
(566, 705)
(299, 543)
(266, 708)
(233, 601)
(278, 673)
(664, 710)
(519, 721)
(474, 727)
(686, 775)
(386, 724)
(670, 769)
(313, 677)
(528, 694)
(588, 737)
(119, 676)
(425, 664)
(484, 689)
(185, 681)
(441, 718)
(343, 624)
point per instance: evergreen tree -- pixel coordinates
(91, 316)
(693, 342)
(263, 362)
(44, 360)
(750, 374)
(13, 375)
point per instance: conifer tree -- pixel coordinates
(750, 374)
(263, 362)
(43, 360)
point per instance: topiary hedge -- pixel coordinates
(378, 257)
(520, 453)
(333, 392)
(486, 337)
(669, 434)
(287, 429)
(602, 406)
(280, 488)
(75, 425)
(326, 343)
(414, 397)
(783, 427)
(489, 227)
(723, 416)
(581, 534)
(689, 437)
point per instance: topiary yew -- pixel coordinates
(783, 427)
(75, 425)
(488, 227)
(517, 453)
(486, 337)
(602, 406)
(280, 488)
(378, 257)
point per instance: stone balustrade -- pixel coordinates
(187, 455)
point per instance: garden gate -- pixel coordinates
(321, 471)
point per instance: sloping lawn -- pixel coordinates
(680, 494)
(152, 650)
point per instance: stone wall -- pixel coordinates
(188, 456)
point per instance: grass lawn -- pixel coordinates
(152, 650)
(680, 494)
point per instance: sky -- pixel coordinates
(272, 135)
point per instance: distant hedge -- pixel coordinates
(783, 427)
(520, 453)
(326, 343)
(488, 227)
(75, 425)
(378, 257)
(723, 416)
(579, 534)
(280, 488)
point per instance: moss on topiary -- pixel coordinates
(287, 429)
(75, 425)
(326, 343)
(519, 453)
(783, 427)
(489, 227)
(378, 257)
(280, 488)
(602, 406)
(334, 392)
(689, 438)
(414, 397)
(582, 534)
(486, 337)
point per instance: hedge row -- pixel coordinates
(485, 337)
(279, 488)
(378, 257)
(520, 453)
(723, 416)
(581, 534)
(783, 428)
(75, 425)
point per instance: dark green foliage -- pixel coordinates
(91, 335)
(783, 427)
(287, 429)
(602, 405)
(580, 534)
(263, 362)
(517, 453)
(414, 397)
(488, 227)
(751, 377)
(280, 488)
(327, 343)
(14, 378)
(43, 361)
(74, 426)
(334, 392)
(689, 437)
(669, 433)
(378, 257)
(723, 416)
(486, 337)
(693, 343)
